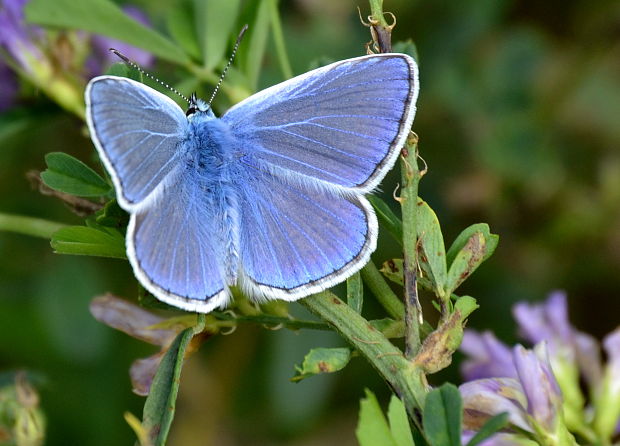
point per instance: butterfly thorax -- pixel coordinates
(210, 162)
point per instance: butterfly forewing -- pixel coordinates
(342, 124)
(137, 132)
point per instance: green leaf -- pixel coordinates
(431, 247)
(388, 218)
(465, 235)
(178, 24)
(465, 305)
(215, 24)
(105, 18)
(71, 176)
(88, 241)
(406, 47)
(399, 423)
(112, 216)
(389, 327)
(355, 292)
(467, 260)
(492, 425)
(372, 427)
(161, 403)
(322, 360)
(252, 57)
(442, 416)
(393, 270)
(121, 69)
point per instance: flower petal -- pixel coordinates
(485, 398)
(488, 357)
(544, 398)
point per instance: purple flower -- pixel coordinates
(102, 57)
(544, 397)
(533, 400)
(488, 357)
(16, 37)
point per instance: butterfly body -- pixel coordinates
(269, 197)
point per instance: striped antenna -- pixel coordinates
(232, 56)
(139, 68)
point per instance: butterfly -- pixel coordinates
(269, 197)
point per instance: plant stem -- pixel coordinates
(406, 379)
(382, 291)
(278, 38)
(35, 227)
(376, 11)
(410, 175)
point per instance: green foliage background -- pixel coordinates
(519, 123)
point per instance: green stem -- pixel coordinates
(278, 38)
(376, 11)
(35, 227)
(410, 175)
(382, 291)
(402, 375)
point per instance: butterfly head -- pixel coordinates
(198, 106)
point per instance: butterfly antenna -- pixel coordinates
(232, 56)
(141, 70)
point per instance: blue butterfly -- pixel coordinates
(268, 197)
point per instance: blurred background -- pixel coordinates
(519, 124)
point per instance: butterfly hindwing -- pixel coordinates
(174, 250)
(343, 124)
(137, 132)
(296, 240)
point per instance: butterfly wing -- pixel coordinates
(173, 249)
(141, 137)
(343, 124)
(138, 133)
(296, 240)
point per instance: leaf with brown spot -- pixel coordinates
(322, 360)
(437, 349)
(466, 261)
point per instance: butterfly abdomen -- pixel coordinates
(210, 160)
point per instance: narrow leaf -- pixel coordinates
(389, 327)
(69, 175)
(178, 22)
(399, 423)
(215, 25)
(393, 270)
(253, 60)
(105, 18)
(465, 235)
(442, 416)
(83, 240)
(160, 405)
(467, 260)
(433, 251)
(372, 427)
(322, 360)
(492, 425)
(355, 292)
(387, 218)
